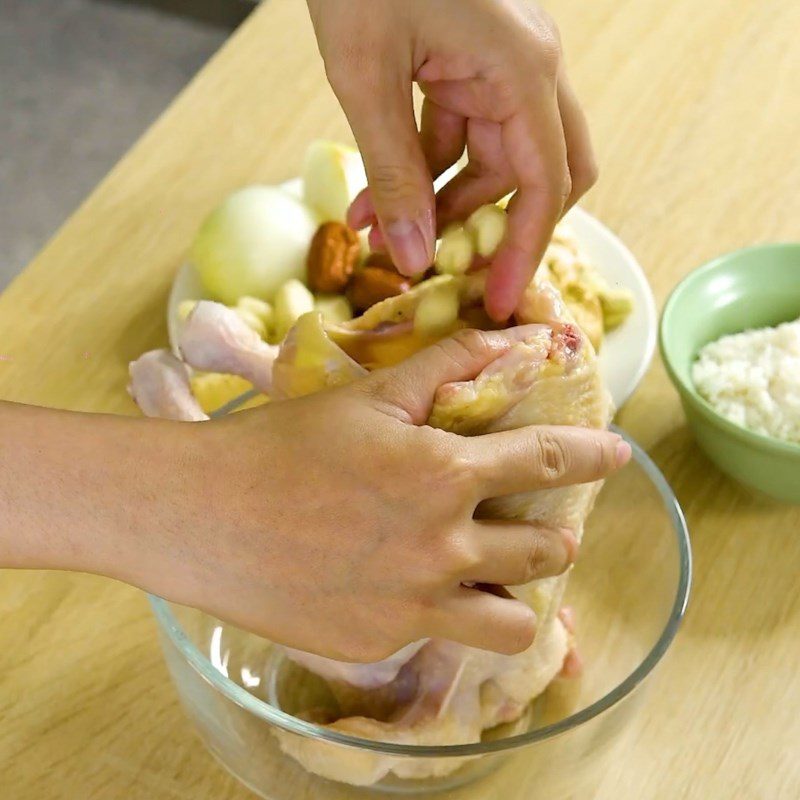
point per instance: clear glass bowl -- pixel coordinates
(629, 591)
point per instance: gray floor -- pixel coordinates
(79, 81)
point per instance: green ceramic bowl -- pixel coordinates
(750, 288)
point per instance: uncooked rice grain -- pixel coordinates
(753, 379)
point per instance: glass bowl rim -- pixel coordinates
(241, 697)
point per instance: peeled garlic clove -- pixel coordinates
(487, 227)
(437, 312)
(617, 304)
(334, 308)
(255, 305)
(258, 314)
(292, 300)
(455, 252)
(333, 174)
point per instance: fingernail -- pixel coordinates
(623, 453)
(408, 245)
(570, 545)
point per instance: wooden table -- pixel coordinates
(696, 118)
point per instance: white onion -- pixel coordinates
(252, 243)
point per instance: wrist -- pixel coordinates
(173, 493)
(78, 490)
(43, 474)
(159, 490)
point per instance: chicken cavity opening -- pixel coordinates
(387, 343)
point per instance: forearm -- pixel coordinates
(75, 489)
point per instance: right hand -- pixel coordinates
(494, 80)
(341, 524)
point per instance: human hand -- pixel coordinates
(341, 524)
(494, 80)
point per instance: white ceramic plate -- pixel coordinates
(626, 352)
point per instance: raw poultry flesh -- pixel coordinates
(432, 692)
(160, 387)
(448, 693)
(214, 338)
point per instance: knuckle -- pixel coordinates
(599, 457)
(454, 472)
(392, 180)
(521, 634)
(550, 57)
(424, 606)
(341, 77)
(466, 345)
(380, 389)
(535, 559)
(504, 98)
(459, 557)
(563, 188)
(348, 72)
(540, 28)
(552, 457)
(585, 174)
(548, 44)
(376, 384)
(556, 186)
(603, 456)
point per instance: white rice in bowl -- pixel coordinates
(753, 379)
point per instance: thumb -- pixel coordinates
(411, 385)
(381, 114)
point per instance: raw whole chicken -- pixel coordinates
(432, 692)
(439, 692)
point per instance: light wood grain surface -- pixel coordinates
(696, 117)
